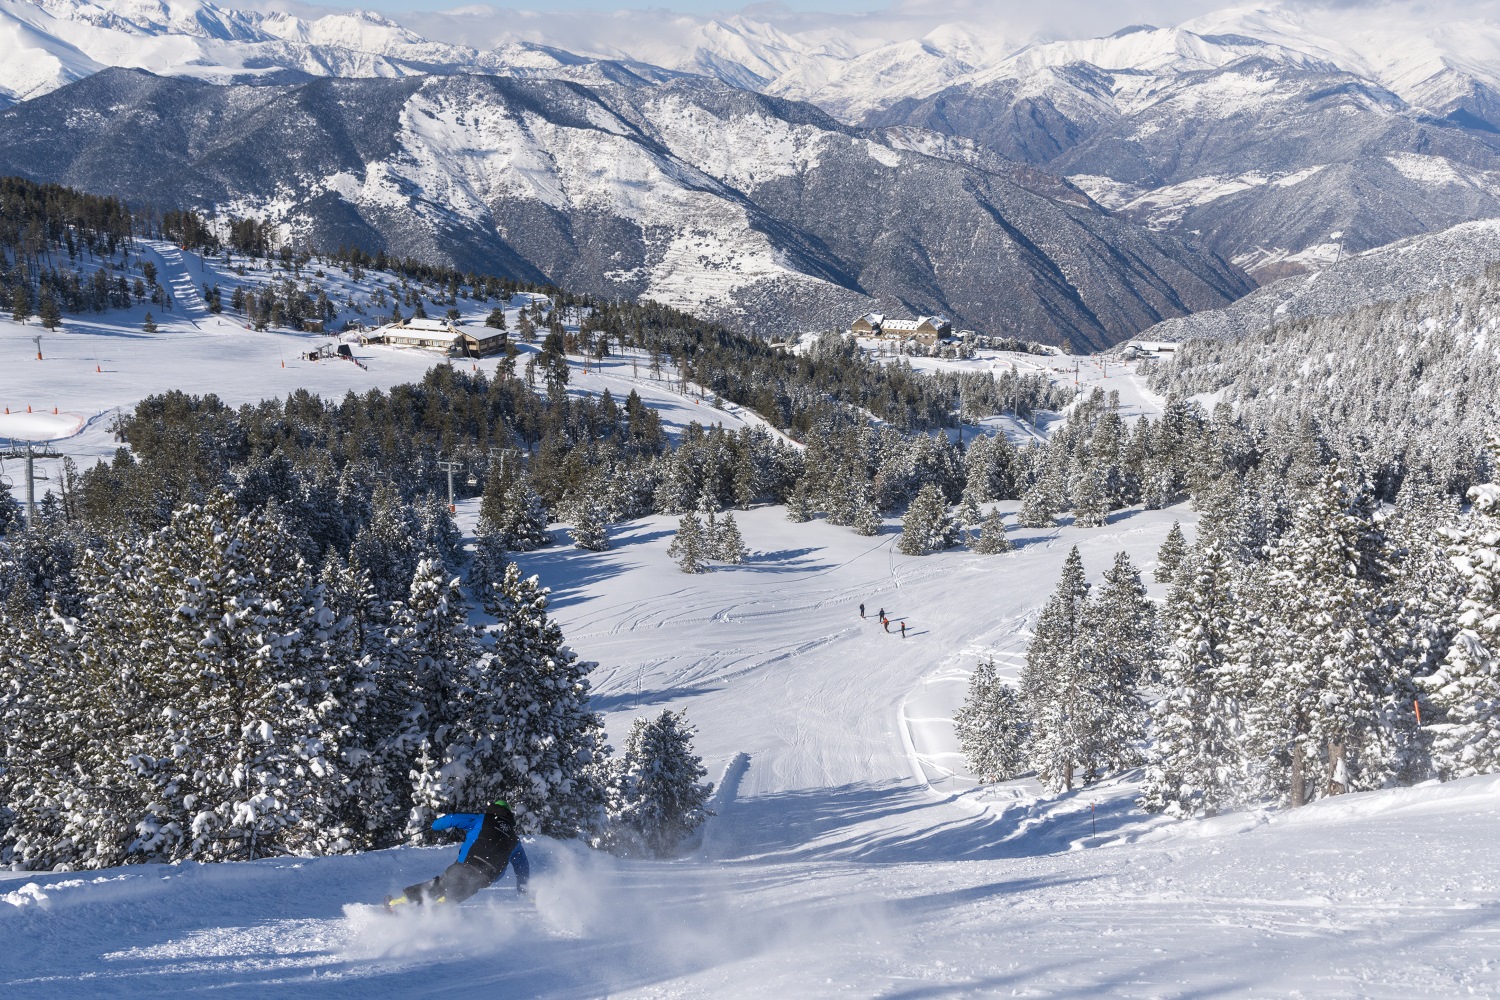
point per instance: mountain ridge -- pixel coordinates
(760, 212)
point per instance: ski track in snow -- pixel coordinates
(851, 853)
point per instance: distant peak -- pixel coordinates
(1134, 29)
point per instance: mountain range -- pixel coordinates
(1276, 137)
(742, 207)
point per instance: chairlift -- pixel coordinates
(472, 480)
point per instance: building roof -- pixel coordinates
(432, 325)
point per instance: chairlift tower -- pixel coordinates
(29, 452)
(451, 468)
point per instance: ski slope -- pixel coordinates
(846, 858)
(97, 366)
(851, 854)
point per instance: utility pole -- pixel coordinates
(450, 468)
(502, 455)
(29, 452)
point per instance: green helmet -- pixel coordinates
(501, 803)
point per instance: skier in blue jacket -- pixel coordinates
(490, 843)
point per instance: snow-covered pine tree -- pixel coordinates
(1325, 677)
(1052, 684)
(968, 510)
(927, 527)
(1194, 767)
(367, 704)
(992, 537)
(437, 533)
(432, 648)
(1090, 498)
(799, 504)
(589, 532)
(866, 517)
(1039, 504)
(1464, 693)
(690, 546)
(729, 547)
(41, 710)
(991, 729)
(225, 671)
(524, 527)
(1170, 555)
(387, 548)
(528, 733)
(1116, 648)
(657, 797)
(487, 565)
(1426, 589)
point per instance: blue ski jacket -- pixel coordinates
(490, 840)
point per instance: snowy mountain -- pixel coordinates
(762, 212)
(1390, 273)
(1256, 131)
(55, 43)
(1257, 149)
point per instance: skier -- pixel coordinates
(887, 623)
(882, 614)
(903, 630)
(491, 843)
(861, 609)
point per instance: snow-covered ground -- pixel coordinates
(851, 854)
(98, 365)
(844, 859)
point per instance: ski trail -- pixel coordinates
(179, 282)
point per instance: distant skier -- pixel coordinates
(887, 623)
(491, 843)
(882, 614)
(903, 630)
(861, 609)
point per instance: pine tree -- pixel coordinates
(657, 797)
(729, 547)
(1195, 767)
(1038, 505)
(927, 527)
(589, 532)
(1052, 682)
(1170, 556)
(511, 509)
(219, 739)
(525, 525)
(689, 546)
(1116, 648)
(386, 548)
(432, 649)
(867, 520)
(1324, 678)
(487, 564)
(148, 325)
(527, 733)
(1464, 693)
(1090, 499)
(992, 537)
(799, 505)
(991, 729)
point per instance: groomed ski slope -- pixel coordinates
(851, 854)
(832, 868)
